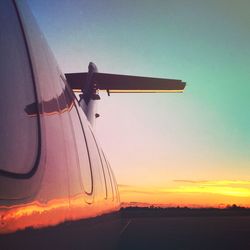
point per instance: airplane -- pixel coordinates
(53, 172)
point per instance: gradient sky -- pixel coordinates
(190, 148)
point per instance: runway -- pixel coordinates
(140, 230)
(184, 233)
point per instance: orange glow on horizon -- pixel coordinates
(190, 193)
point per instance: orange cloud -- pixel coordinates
(216, 182)
(202, 192)
(236, 188)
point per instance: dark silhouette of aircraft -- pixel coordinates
(52, 169)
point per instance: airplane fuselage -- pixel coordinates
(52, 168)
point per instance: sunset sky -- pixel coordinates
(176, 149)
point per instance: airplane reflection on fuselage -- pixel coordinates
(39, 215)
(54, 106)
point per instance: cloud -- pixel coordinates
(234, 188)
(137, 190)
(216, 182)
(189, 181)
(124, 186)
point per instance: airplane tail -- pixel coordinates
(91, 82)
(113, 83)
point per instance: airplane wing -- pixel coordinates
(125, 83)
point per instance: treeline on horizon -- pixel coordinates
(155, 207)
(152, 210)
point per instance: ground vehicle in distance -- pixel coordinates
(52, 169)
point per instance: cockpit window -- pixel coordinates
(18, 115)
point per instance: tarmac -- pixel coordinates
(184, 233)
